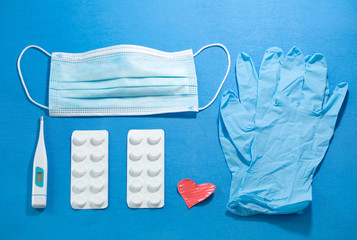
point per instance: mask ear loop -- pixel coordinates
(20, 74)
(225, 77)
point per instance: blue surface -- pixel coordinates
(192, 146)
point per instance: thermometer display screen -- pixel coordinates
(39, 177)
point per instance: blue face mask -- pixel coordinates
(122, 80)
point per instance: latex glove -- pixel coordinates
(276, 135)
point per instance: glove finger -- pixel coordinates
(334, 104)
(269, 74)
(315, 83)
(325, 130)
(247, 82)
(327, 89)
(292, 75)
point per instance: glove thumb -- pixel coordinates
(233, 111)
(237, 126)
(334, 104)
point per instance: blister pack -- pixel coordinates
(89, 169)
(145, 169)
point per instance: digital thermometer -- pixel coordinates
(39, 177)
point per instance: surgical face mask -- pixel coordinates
(122, 80)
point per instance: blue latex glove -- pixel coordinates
(276, 135)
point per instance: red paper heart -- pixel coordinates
(193, 193)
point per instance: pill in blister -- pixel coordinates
(136, 154)
(97, 186)
(136, 170)
(136, 185)
(154, 138)
(79, 201)
(97, 170)
(79, 139)
(154, 185)
(79, 171)
(135, 138)
(135, 201)
(97, 155)
(79, 186)
(154, 201)
(79, 156)
(154, 170)
(97, 139)
(154, 154)
(97, 201)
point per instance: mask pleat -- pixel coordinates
(140, 102)
(122, 66)
(125, 92)
(122, 82)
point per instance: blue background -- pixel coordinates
(192, 146)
